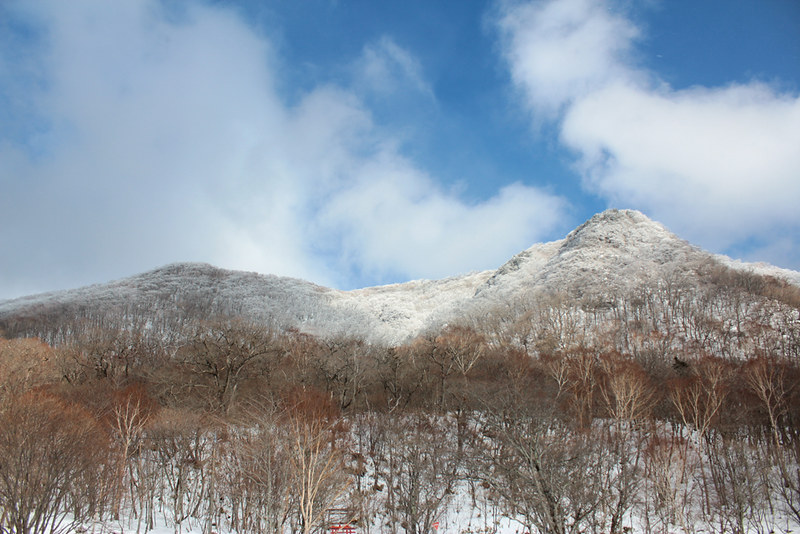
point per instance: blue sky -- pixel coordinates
(360, 143)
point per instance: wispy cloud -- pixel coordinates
(719, 165)
(387, 69)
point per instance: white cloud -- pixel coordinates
(560, 51)
(718, 165)
(394, 218)
(727, 157)
(167, 141)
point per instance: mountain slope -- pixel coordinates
(613, 252)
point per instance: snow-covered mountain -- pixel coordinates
(613, 252)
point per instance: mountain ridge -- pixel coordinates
(611, 253)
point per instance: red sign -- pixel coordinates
(435, 525)
(343, 529)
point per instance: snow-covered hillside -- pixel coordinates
(613, 251)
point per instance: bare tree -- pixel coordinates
(670, 486)
(111, 352)
(548, 476)
(698, 398)
(49, 449)
(130, 412)
(770, 380)
(317, 457)
(625, 389)
(259, 472)
(400, 374)
(774, 383)
(628, 396)
(420, 472)
(737, 487)
(181, 447)
(220, 354)
(343, 364)
(577, 374)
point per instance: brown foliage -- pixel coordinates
(25, 364)
(53, 454)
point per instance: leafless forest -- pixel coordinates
(674, 407)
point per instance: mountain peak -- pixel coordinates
(619, 229)
(610, 252)
(614, 215)
(626, 234)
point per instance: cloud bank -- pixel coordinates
(143, 133)
(718, 165)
